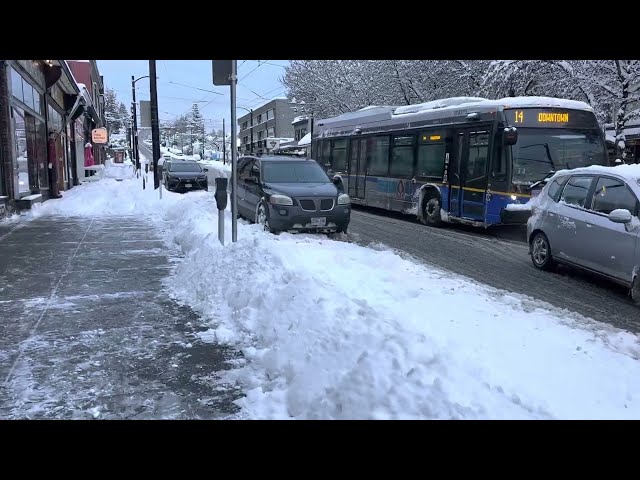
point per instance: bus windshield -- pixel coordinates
(540, 151)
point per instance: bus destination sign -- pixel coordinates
(547, 117)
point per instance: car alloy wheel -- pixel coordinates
(541, 252)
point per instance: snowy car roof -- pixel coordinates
(628, 172)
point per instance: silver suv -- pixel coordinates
(588, 218)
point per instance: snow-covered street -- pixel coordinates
(333, 330)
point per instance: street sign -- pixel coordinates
(99, 135)
(221, 72)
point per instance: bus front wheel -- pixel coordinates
(431, 213)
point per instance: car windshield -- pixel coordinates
(185, 167)
(540, 151)
(294, 172)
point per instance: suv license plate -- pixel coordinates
(318, 221)
(188, 185)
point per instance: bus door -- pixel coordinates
(357, 168)
(468, 177)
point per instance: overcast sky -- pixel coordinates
(179, 82)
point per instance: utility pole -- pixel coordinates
(155, 132)
(134, 133)
(234, 153)
(224, 144)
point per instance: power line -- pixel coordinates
(197, 88)
(259, 65)
(275, 64)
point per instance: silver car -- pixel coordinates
(588, 218)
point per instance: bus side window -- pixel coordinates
(325, 154)
(431, 160)
(339, 155)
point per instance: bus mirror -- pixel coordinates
(510, 136)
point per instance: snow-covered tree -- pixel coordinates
(111, 113)
(611, 87)
(124, 115)
(331, 87)
(196, 122)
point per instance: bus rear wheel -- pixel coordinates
(431, 213)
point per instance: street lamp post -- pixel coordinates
(136, 153)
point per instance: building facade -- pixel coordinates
(40, 101)
(90, 81)
(270, 120)
(300, 127)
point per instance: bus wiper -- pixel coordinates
(549, 175)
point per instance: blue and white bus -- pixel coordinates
(462, 159)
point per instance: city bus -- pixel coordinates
(463, 159)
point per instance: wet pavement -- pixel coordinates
(88, 329)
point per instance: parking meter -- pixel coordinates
(221, 192)
(221, 201)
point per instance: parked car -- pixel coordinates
(588, 218)
(290, 194)
(183, 176)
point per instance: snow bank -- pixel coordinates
(216, 168)
(333, 330)
(118, 170)
(330, 329)
(109, 197)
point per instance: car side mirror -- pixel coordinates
(336, 180)
(620, 215)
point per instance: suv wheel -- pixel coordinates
(541, 252)
(263, 219)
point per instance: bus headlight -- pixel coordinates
(514, 198)
(344, 199)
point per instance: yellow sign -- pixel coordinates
(432, 137)
(519, 116)
(553, 117)
(99, 135)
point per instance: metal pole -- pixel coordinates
(136, 154)
(234, 154)
(251, 112)
(224, 144)
(311, 135)
(221, 226)
(155, 128)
